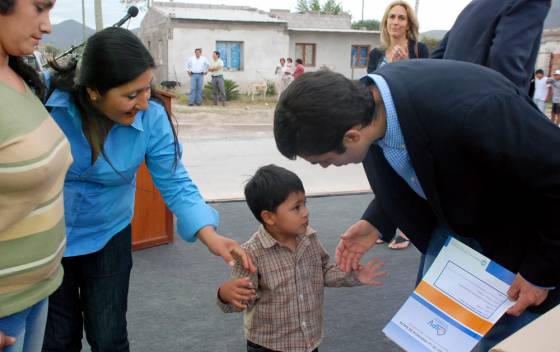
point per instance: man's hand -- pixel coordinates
(357, 240)
(6, 341)
(368, 273)
(525, 294)
(225, 248)
(237, 292)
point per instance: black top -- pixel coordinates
(376, 55)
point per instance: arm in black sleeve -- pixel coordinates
(440, 50)
(514, 39)
(423, 52)
(376, 216)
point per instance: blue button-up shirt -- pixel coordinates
(99, 202)
(392, 144)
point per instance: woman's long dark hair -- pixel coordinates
(26, 72)
(112, 57)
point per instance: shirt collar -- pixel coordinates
(62, 99)
(267, 241)
(393, 136)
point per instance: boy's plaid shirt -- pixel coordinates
(287, 314)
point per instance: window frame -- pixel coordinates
(358, 47)
(314, 61)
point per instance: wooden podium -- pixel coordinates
(152, 223)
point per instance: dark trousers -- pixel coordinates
(93, 297)
(253, 347)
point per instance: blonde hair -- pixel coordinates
(411, 31)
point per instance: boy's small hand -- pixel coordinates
(368, 273)
(237, 292)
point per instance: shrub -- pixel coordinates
(270, 88)
(232, 90)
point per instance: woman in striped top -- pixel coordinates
(34, 157)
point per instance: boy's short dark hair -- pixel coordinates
(269, 187)
(299, 61)
(217, 53)
(315, 111)
(539, 71)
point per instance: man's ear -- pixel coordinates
(353, 135)
(268, 217)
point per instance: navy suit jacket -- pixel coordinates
(487, 160)
(504, 35)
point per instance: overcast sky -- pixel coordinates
(433, 14)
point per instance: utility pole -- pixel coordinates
(415, 7)
(363, 11)
(98, 15)
(84, 19)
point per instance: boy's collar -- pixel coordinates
(267, 241)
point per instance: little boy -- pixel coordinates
(284, 298)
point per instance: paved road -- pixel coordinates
(173, 287)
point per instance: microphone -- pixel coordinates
(132, 12)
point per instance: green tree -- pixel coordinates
(302, 6)
(372, 25)
(315, 6)
(331, 7)
(431, 43)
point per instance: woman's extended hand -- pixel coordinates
(225, 247)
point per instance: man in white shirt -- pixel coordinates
(541, 90)
(197, 67)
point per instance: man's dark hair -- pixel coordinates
(217, 53)
(316, 110)
(269, 187)
(539, 71)
(197, 49)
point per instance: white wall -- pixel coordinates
(263, 45)
(333, 50)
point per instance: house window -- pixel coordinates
(306, 52)
(232, 55)
(359, 55)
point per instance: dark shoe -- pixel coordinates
(191, 104)
(198, 104)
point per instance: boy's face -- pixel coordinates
(291, 217)
(539, 75)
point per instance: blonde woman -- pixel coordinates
(399, 37)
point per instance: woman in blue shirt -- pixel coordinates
(106, 109)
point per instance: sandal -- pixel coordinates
(400, 241)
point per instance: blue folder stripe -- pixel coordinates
(500, 272)
(441, 314)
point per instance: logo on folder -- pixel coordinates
(439, 326)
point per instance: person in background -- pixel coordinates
(541, 90)
(299, 70)
(197, 68)
(114, 123)
(555, 84)
(34, 157)
(216, 70)
(399, 36)
(283, 76)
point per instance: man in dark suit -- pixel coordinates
(504, 35)
(444, 157)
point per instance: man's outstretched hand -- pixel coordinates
(356, 241)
